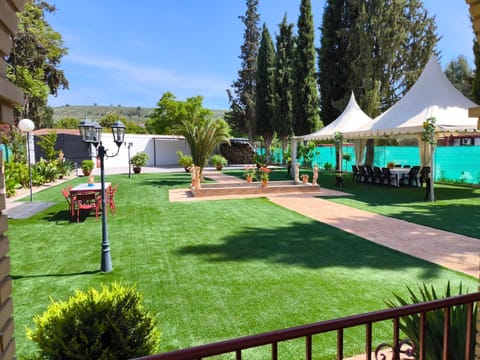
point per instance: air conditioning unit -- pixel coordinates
(466, 141)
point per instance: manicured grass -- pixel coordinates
(211, 270)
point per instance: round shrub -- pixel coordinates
(106, 324)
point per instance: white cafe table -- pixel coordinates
(399, 172)
(96, 187)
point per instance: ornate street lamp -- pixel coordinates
(27, 126)
(91, 133)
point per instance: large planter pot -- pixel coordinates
(305, 179)
(249, 179)
(219, 167)
(86, 172)
(137, 169)
(264, 183)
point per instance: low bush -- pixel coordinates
(106, 324)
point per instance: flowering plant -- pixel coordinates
(264, 171)
(429, 130)
(249, 171)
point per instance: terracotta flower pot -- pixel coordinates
(264, 183)
(249, 179)
(305, 179)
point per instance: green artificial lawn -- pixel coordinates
(214, 270)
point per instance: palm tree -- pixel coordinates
(202, 137)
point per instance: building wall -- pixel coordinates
(9, 96)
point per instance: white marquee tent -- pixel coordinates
(350, 119)
(431, 96)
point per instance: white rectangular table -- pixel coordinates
(84, 187)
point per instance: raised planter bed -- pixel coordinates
(244, 188)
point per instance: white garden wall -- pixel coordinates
(161, 149)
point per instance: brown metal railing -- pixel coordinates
(307, 331)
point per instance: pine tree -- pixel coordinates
(460, 75)
(285, 50)
(265, 91)
(242, 103)
(305, 100)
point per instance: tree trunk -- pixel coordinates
(369, 154)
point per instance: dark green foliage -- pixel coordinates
(460, 75)
(285, 52)
(107, 324)
(410, 325)
(476, 78)
(305, 99)
(47, 144)
(376, 49)
(241, 116)
(44, 171)
(265, 91)
(16, 176)
(332, 58)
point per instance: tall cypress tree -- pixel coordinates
(242, 103)
(332, 59)
(265, 91)
(305, 101)
(285, 51)
(476, 77)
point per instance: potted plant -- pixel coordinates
(87, 167)
(304, 178)
(185, 160)
(138, 160)
(391, 164)
(264, 175)
(249, 173)
(218, 161)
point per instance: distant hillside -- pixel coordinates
(138, 114)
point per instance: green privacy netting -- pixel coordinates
(452, 163)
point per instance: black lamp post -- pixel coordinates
(91, 133)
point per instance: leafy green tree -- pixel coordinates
(242, 102)
(285, 50)
(33, 64)
(171, 111)
(460, 75)
(305, 99)
(265, 93)
(203, 135)
(47, 144)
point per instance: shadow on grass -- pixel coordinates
(19, 277)
(310, 245)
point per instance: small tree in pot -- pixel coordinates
(138, 160)
(218, 161)
(87, 166)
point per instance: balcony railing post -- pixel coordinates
(446, 332)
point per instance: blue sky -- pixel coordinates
(129, 53)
